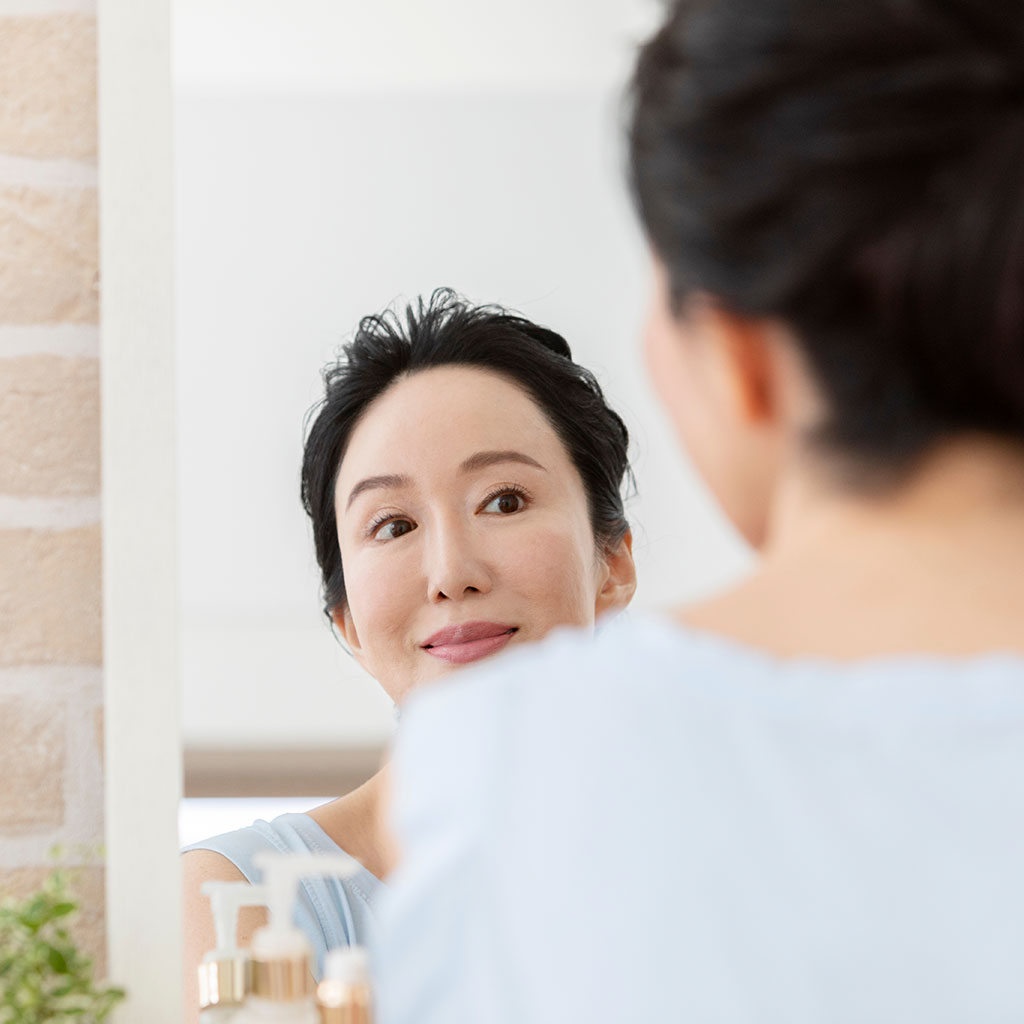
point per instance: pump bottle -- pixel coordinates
(224, 974)
(282, 980)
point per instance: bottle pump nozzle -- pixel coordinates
(283, 872)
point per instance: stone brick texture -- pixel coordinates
(49, 255)
(50, 597)
(32, 759)
(48, 86)
(50, 423)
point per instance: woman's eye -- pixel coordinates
(393, 528)
(505, 503)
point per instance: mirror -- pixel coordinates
(332, 158)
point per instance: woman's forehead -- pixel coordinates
(440, 418)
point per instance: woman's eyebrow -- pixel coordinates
(372, 483)
(484, 459)
(479, 461)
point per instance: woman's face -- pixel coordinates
(463, 528)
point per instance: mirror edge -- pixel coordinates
(140, 585)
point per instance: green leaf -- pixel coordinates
(58, 961)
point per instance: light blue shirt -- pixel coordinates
(660, 825)
(331, 912)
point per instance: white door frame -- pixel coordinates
(140, 573)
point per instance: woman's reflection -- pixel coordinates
(464, 480)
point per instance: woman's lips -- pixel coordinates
(469, 641)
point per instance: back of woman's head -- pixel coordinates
(854, 168)
(448, 331)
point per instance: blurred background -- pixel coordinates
(333, 158)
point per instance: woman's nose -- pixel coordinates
(454, 568)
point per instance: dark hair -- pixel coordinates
(444, 331)
(855, 169)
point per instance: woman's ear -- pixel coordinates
(343, 623)
(619, 578)
(748, 357)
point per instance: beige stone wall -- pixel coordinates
(51, 781)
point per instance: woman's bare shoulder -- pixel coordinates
(207, 865)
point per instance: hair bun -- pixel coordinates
(856, 170)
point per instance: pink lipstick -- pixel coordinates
(468, 641)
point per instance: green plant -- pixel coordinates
(44, 979)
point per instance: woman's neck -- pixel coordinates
(357, 822)
(965, 486)
(936, 564)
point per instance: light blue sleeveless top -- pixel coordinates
(331, 912)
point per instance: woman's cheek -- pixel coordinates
(554, 575)
(379, 605)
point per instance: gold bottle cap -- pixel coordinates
(282, 979)
(223, 982)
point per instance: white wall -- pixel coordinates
(331, 158)
(318, 46)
